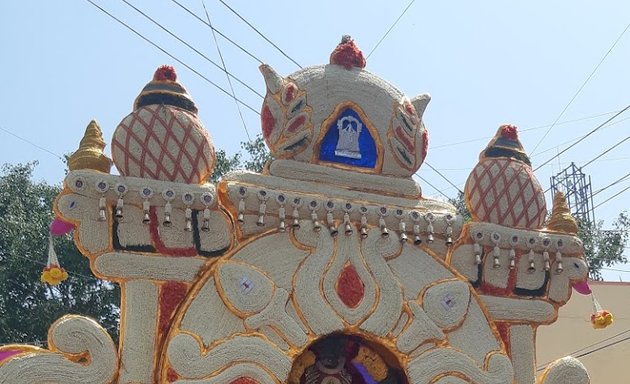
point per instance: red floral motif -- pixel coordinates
(410, 109)
(171, 295)
(171, 375)
(493, 290)
(348, 54)
(297, 123)
(509, 132)
(404, 139)
(268, 122)
(425, 143)
(289, 93)
(244, 380)
(165, 72)
(350, 288)
(504, 332)
(159, 244)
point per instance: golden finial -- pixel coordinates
(561, 219)
(90, 153)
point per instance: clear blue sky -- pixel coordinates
(484, 63)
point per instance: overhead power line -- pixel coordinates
(173, 57)
(390, 28)
(581, 87)
(576, 139)
(432, 186)
(260, 33)
(237, 45)
(222, 68)
(612, 197)
(606, 151)
(449, 145)
(32, 143)
(76, 274)
(444, 177)
(584, 137)
(543, 366)
(619, 180)
(602, 347)
(216, 43)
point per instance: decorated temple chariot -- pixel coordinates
(329, 267)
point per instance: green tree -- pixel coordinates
(257, 155)
(604, 247)
(460, 206)
(27, 306)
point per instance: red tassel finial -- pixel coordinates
(509, 132)
(348, 54)
(164, 73)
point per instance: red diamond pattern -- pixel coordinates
(506, 192)
(163, 143)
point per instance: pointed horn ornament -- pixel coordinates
(420, 102)
(272, 79)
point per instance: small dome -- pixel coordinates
(162, 138)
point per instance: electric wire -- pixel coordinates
(596, 158)
(216, 43)
(543, 366)
(555, 147)
(390, 28)
(260, 33)
(619, 180)
(581, 87)
(444, 177)
(583, 137)
(432, 186)
(31, 143)
(172, 56)
(606, 151)
(76, 274)
(611, 197)
(603, 347)
(244, 50)
(449, 145)
(222, 68)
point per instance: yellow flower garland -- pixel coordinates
(53, 275)
(601, 319)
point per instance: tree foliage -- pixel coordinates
(604, 248)
(27, 306)
(257, 155)
(460, 205)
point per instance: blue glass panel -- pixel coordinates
(330, 150)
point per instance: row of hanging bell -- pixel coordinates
(168, 195)
(496, 253)
(348, 226)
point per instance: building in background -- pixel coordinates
(604, 352)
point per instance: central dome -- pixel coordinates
(343, 116)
